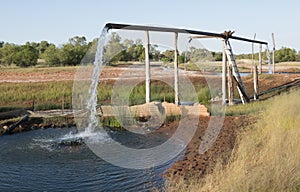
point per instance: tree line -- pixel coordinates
(284, 54)
(27, 55)
(116, 50)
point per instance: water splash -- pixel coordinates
(87, 101)
(92, 100)
(88, 136)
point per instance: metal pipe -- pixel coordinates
(176, 30)
(176, 81)
(147, 63)
(260, 59)
(224, 62)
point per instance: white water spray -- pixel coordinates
(92, 100)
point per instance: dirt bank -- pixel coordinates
(193, 164)
(37, 123)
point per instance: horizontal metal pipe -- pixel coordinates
(176, 30)
(160, 29)
(204, 37)
(248, 40)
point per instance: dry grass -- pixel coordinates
(295, 64)
(266, 158)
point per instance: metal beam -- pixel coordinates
(248, 40)
(176, 30)
(158, 29)
(255, 77)
(176, 80)
(224, 63)
(147, 63)
(203, 37)
(273, 53)
(260, 59)
(235, 72)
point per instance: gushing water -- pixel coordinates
(92, 100)
(89, 133)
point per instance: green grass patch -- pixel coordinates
(205, 66)
(113, 122)
(49, 95)
(247, 109)
(46, 95)
(267, 76)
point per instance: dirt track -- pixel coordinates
(108, 73)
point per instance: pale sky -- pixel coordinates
(58, 20)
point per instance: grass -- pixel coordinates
(202, 66)
(295, 64)
(46, 95)
(160, 91)
(248, 108)
(265, 158)
(114, 123)
(267, 76)
(49, 95)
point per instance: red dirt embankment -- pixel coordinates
(195, 164)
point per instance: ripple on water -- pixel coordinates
(34, 161)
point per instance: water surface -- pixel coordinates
(33, 161)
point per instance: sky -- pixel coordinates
(58, 20)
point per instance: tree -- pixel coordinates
(181, 59)
(128, 43)
(42, 46)
(7, 53)
(72, 52)
(67, 55)
(218, 56)
(139, 53)
(51, 55)
(26, 56)
(154, 53)
(167, 56)
(113, 50)
(298, 56)
(285, 54)
(91, 52)
(200, 54)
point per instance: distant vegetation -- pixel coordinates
(116, 50)
(282, 55)
(27, 55)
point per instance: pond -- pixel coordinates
(34, 161)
